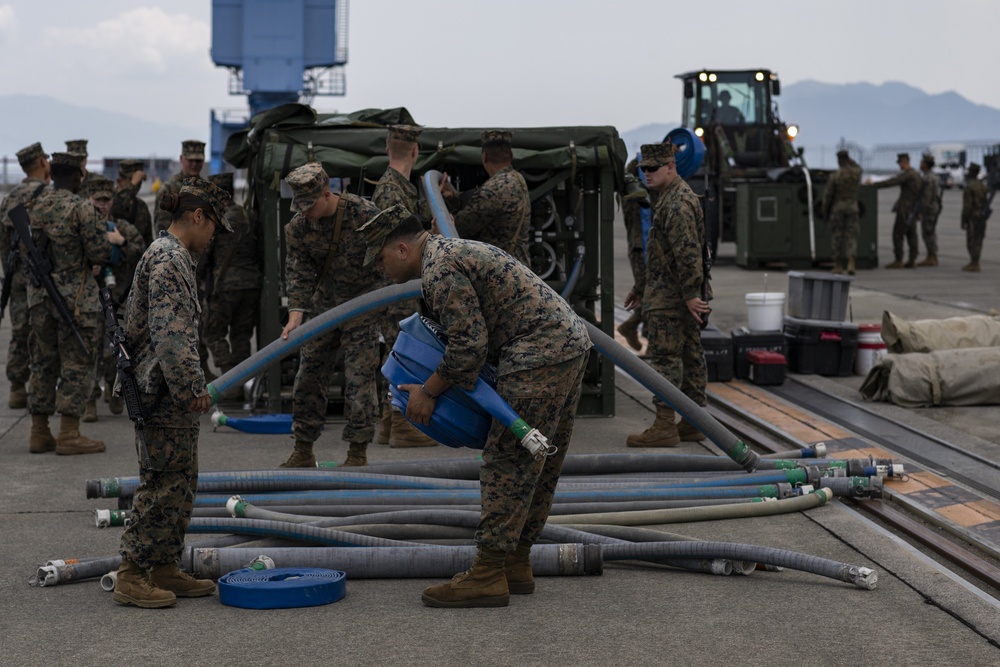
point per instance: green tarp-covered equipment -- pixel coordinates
(573, 174)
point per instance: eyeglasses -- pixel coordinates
(650, 170)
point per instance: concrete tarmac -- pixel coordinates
(631, 615)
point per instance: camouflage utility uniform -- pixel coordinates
(308, 246)
(235, 298)
(62, 374)
(674, 275)
(494, 309)
(499, 213)
(973, 202)
(18, 356)
(909, 183)
(840, 206)
(162, 327)
(930, 209)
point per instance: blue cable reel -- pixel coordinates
(691, 151)
(461, 418)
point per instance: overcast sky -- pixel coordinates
(506, 63)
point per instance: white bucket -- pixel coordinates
(766, 311)
(870, 348)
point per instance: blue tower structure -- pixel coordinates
(277, 51)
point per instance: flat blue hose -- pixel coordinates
(282, 588)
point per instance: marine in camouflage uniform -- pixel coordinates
(124, 259)
(840, 208)
(973, 203)
(395, 188)
(62, 374)
(192, 160)
(162, 334)
(35, 164)
(493, 309)
(127, 204)
(930, 209)
(673, 294)
(636, 198)
(321, 273)
(235, 299)
(499, 213)
(910, 185)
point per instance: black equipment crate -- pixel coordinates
(745, 340)
(766, 368)
(718, 348)
(821, 347)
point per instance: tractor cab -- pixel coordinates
(733, 113)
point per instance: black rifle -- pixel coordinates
(126, 374)
(8, 278)
(706, 278)
(40, 269)
(360, 190)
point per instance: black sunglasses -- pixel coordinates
(650, 170)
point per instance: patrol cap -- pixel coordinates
(902, 156)
(27, 156)
(409, 133)
(973, 169)
(217, 198)
(97, 186)
(308, 183)
(193, 149)
(378, 228)
(128, 167)
(655, 155)
(843, 153)
(497, 137)
(223, 180)
(77, 146)
(927, 159)
(68, 159)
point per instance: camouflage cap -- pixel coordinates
(497, 137)
(217, 198)
(128, 167)
(655, 155)
(973, 169)
(409, 133)
(902, 156)
(378, 228)
(76, 146)
(308, 183)
(97, 186)
(26, 156)
(927, 159)
(843, 153)
(193, 149)
(69, 159)
(223, 180)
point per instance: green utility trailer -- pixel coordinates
(573, 174)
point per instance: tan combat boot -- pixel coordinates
(663, 432)
(405, 434)
(170, 578)
(70, 442)
(838, 268)
(910, 264)
(972, 266)
(18, 398)
(357, 455)
(629, 329)
(898, 264)
(41, 439)
(385, 424)
(132, 587)
(302, 456)
(688, 432)
(850, 266)
(90, 413)
(482, 585)
(930, 260)
(517, 567)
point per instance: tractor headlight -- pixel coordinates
(793, 131)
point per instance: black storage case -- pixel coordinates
(766, 368)
(745, 340)
(821, 347)
(718, 348)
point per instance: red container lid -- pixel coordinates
(765, 357)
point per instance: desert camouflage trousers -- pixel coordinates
(928, 230)
(517, 490)
(901, 232)
(360, 343)
(62, 374)
(164, 500)
(844, 228)
(675, 351)
(974, 241)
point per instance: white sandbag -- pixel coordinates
(946, 334)
(963, 377)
